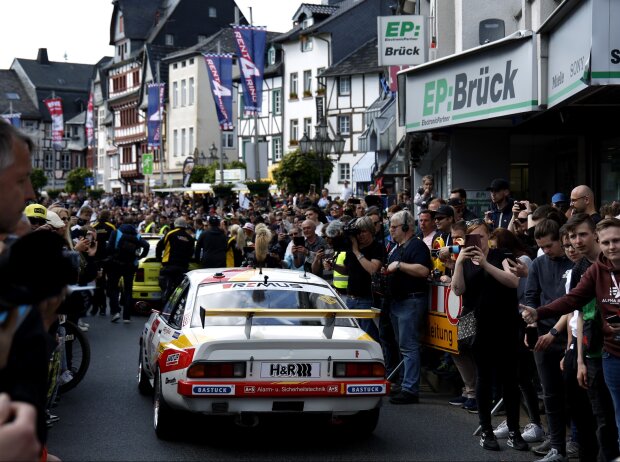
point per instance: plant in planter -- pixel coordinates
(259, 188)
(223, 190)
(292, 96)
(320, 91)
(307, 94)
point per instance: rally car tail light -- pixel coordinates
(139, 275)
(359, 369)
(216, 370)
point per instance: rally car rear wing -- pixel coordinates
(250, 313)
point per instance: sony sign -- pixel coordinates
(402, 40)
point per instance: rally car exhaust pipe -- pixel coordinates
(246, 420)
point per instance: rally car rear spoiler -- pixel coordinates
(250, 313)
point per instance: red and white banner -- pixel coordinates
(54, 105)
(89, 127)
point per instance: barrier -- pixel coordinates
(444, 309)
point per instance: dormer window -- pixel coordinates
(169, 39)
(271, 56)
(307, 23)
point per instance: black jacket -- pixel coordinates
(211, 248)
(176, 248)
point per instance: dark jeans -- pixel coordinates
(579, 408)
(389, 345)
(100, 302)
(369, 326)
(497, 363)
(527, 374)
(603, 410)
(115, 273)
(548, 364)
(611, 371)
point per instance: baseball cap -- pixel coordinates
(498, 184)
(180, 223)
(249, 226)
(559, 197)
(214, 220)
(36, 211)
(54, 219)
(444, 211)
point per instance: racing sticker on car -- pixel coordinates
(287, 370)
(155, 325)
(366, 389)
(173, 359)
(327, 299)
(201, 390)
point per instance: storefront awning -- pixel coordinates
(486, 82)
(362, 170)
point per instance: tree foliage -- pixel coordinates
(75, 179)
(298, 171)
(38, 179)
(206, 174)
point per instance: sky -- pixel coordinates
(81, 28)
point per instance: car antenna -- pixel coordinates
(266, 278)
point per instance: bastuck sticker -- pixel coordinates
(365, 389)
(218, 390)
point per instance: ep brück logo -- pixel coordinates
(439, 96)
(402, 30)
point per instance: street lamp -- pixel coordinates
(322, 145)
(213, 155)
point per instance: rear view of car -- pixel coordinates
(250, 343)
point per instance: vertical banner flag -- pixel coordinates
(89, 121)
(54, 105)
(220, 73)
(14, 119)
(251, 50)
(154, 111)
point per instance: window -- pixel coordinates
(344, 85)
(136, 78)
(306, 44)
(121, 25)
(175, 65)
(212, 12)
(191, 140)
(191, 91)
(271, 56)
(276, 96)
(49, 161)
(191, 61)
(175, 143)
(183, 92)
(344, 172)
(169, 39)
(276, 146)
(175, 94)
(293, 90)
(308, 126)
(119, 83)
(294, 134)
(307, 83)
(242, 113)
(183, 63)
(228, 140)
(344, 125)
(183, 139)
(66, 161)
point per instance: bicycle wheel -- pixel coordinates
(77, 350)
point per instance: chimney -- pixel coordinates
(42, 56)
(236, 15)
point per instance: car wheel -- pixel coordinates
(363, 423)
(144, 385)
(163, 415)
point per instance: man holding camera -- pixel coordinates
(362, 260)
(409, 265)
(311, 253)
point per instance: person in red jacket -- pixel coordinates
(600, 281)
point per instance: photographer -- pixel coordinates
(425, 193)
(363, 258)
(311, 253)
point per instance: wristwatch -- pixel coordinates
(360, 256)
(553, 331)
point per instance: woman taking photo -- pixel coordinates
(489, 290)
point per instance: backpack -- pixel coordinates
(126, 248)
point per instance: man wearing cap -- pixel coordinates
(212, 245)
(500, 213)
(37, 216)
(444, 218)
(560, 201)
(175, 250)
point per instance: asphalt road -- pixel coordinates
(106, 419)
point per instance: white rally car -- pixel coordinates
(244, 342)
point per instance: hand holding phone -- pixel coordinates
(298, 241)
(473, 240)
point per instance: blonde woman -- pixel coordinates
(234, 250)
(65, 216)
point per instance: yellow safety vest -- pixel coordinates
(164, 229)
(341, 281)
(147, 228)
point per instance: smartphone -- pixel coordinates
(473, 239)
(22, 311)
(521, 206)
(613, 319)
(510, 256)
(298, 240)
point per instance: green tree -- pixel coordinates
(38, 179)
(198, 174)
(298, 171)
(75, 179)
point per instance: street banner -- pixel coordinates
(54, 106)
(89, 121)
(153, 114)
(147, 163)
(251, 51)
(14, 119)
(220, 73)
